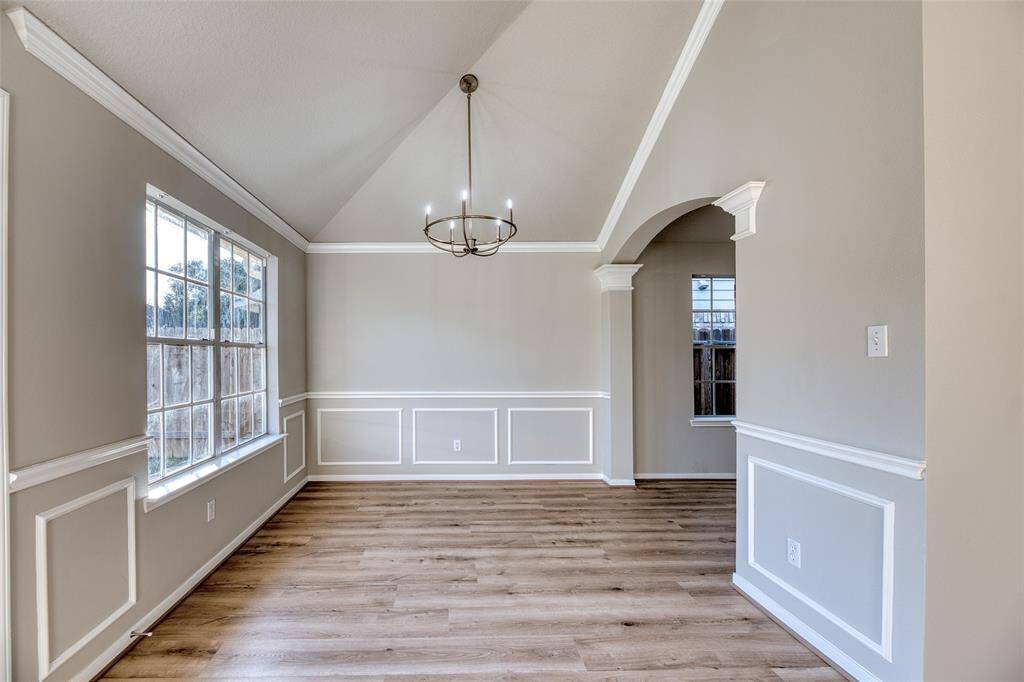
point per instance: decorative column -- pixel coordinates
(617, 371)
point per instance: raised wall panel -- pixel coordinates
(359, 436)
(85, 570)
(294, 426)
(436, 429)
(846, 538)
(550, 435)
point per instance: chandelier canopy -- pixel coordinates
(469, 233)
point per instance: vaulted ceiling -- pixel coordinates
(345, 117)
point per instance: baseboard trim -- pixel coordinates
(352, 478)
(124, 642)
(724, 476)
(617, 482)
(828, 651)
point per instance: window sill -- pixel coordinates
(714, 422)
(178, 485)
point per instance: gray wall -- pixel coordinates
(77, 355)
(974, 160)
(391, 324)
(696, 244)
(823, 101)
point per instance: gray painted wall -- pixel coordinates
(77, 358)
(974, 181)
(823, 101)
(696, 244)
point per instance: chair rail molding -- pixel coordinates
(742, 203)
(47, 46)
(616, 277)
(901, 466)
(447, 395)
(50, 470)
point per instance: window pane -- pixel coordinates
(152, 376)
(245, 370)
(150, 235)
(170, 234)
(259, 369)
(176, 438)
(150, 303)
(170, 293)
(702, 399)
(701, 327)
(723, 327)
(259, 414)
(241, 319)
(255, 322)
(227, 371)
(198, 312)
(225, 265)
(725, 399)
(256, 269)
(227, 424)
(154, 431)
(198, 253)
(244, 418)
(202, 420)
(177, 375)
(225, 317)
(702, 364)
(241, 270)
(202, 373)
(702, 293)
(724, 289)
(725, 364)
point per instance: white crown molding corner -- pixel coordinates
(742, 203)
(616, 277)
(709, 10)
(901, 466)
(47, 46)
(424, 247)
(75, 462)
(299, 469)
(119, 645)
(826, 648)
(47, 665)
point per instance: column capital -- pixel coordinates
(742, 203)
(615, 277)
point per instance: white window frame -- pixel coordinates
(713, 419)
(170, 486)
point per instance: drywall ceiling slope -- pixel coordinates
(298, 101)
(566, 94)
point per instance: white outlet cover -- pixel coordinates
(878, 341)
(793, 552)
(457, 445)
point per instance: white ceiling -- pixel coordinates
(344, 119)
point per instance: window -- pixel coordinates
(206, 382)
(714, 346)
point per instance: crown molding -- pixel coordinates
(616, 277)
(742, 203)
(709, 10)
(425, 247)
(43, 43)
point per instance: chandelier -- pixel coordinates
(468, 233)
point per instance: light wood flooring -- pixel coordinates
(540, 580)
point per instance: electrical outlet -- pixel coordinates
(457, 445)
(211, 510)
(793, 552)
(878, 341)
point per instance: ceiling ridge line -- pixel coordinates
(425, 247)
(51, 49)
(684, 65)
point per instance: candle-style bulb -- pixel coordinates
(508, 203)
(465, 194)
(428, 209)
(451, 225)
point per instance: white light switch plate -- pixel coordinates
(211, 510)
(878, 341)
(457, 445)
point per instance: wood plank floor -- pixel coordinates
(541, 580)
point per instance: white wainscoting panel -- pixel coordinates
(435, 428)
(353, 436)
(874, 628)
(295, 437)
(550, 435)
(48, 599)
